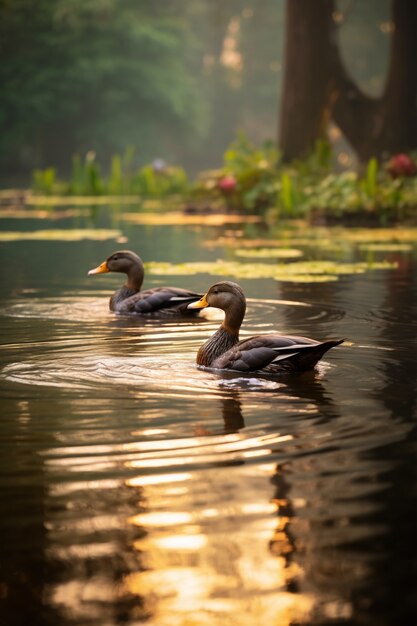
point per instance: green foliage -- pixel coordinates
(115, 185)
(78, 75)
(252, 180)
(334, 192)
(242, 155)
(153, 183)
(44, 181)
(286, 194)
(318, 163)
(150, 181)
(94, 184)
(77, 182)
(305, 188)
(85, 177)
(254, 170)
(345, 195)
(370, 181)
(121, 173)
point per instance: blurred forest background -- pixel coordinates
(176, 80)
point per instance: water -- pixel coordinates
(137, 489)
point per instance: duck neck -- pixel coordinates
(233, 318)
(133, 284)
(135, 277)
(225, 338)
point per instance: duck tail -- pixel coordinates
(304, 357)
(308, 359)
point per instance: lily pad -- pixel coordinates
(328, 239)
(306, 271)
(386, 247)
(269, 253)
(380, 235)
(41, 214)
(177, 218)
(61, 235)
(33, 200)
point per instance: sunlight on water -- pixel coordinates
(220, 564)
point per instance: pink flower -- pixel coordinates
(401, 165)
(227, 184)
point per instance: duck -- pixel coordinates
(129, 299)
(270, 353)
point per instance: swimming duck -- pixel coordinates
(161, 301)
(269, 353)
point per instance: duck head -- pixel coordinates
(126, 262)
(120, 261)
(230, 298)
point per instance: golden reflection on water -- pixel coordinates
(214, 552)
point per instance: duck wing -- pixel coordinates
(160, 301)
(273, 353)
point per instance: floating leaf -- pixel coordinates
(322, 237)
(386, 247)
(307, 271)
(61, 235)
(174, 218)
(380, 234)
(41, 214)
(270, 253)
(80, 200)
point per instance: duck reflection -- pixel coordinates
(305, 389)
(214, 543)
(283, 543)
(231, 408)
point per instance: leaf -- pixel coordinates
(371, 175)
(269, 253)
(286, 194)
(305, 271)
(177, 218)
(386, 247)
(61, 235)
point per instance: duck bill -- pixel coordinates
(200, 304)
(101, 269)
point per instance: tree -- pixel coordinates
(79, 75)
(318, 87)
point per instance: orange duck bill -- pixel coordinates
(200, 304)
(101, 269)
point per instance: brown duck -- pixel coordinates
(269, 353)
(158, 301)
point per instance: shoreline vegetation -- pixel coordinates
(252, 181)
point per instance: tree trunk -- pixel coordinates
(388, 124)
(317, 86)
(306, 81)
(401, 88)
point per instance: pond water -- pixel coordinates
(137, 489)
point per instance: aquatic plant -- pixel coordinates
(286, 195)
(155, 180)
(248, 180)
(253, 180)
(160, 181)
(44, 181)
